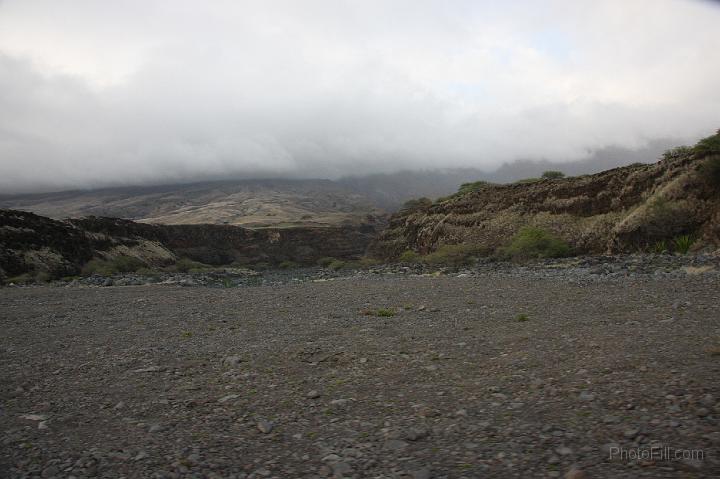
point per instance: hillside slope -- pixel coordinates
(45, 248)
(620, 210)
(249, 203)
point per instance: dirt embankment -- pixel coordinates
(626, 209)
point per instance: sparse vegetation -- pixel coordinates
(659, 247)
(366, 262)
(409, 256)
(420, 204)
(665, 219)
(380, 313)
(24, 278)
(677, 152)
(527, 180)
(532, 243)
(325, 262)
(466, 188)
(522, 317)
(186, 265)
(472, 186)
(708, 146)
(552, 175)
(109, 267)
(454, 255)
(337, 265)
(710, 169)
(287, 264)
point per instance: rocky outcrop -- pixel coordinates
(620, 210)
(32, 244)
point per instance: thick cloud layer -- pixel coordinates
(101, 93)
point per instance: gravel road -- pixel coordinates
(387, 377)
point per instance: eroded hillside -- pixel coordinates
(625, 209)
(46, 248)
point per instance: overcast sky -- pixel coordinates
(97, 93)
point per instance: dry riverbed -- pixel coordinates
(380, 377)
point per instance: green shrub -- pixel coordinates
(708, 146)
(109, 267)
(522, 317)
(527, 180)
(471, 187)
(287, 264)
(419, 204)
(710, 169)
(366, 262)
(42, 277)
(466, 188)
(186, 265)
(24, 278)
(683, 244)
(409, 256)
(552, 175)
(530, 243)
(665, 219)
(337, 265)
(325, 262)
(455, 255)
(385, 313)
(677, 152)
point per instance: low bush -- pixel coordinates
(419, 204)
(552, 175)
(186, 265)
(455, 255)
(24, 278)
(527, 180)
(337, 265)
(710, 169)
(708, 146)
(366, 262)
(325, 262)
(664, 219)
(473, 186)
(287, 264)
(409, 256)
(677, 152)
(109, 267)
(466, 188)
(532, 243)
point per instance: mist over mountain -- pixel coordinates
(98, 94)
(301, 202)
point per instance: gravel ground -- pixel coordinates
(383, 376)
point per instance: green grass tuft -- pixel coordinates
(683, 243)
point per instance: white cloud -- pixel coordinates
(122, 92)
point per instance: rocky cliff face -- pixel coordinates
(620, 210)
(32, 244)
(224, 244)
